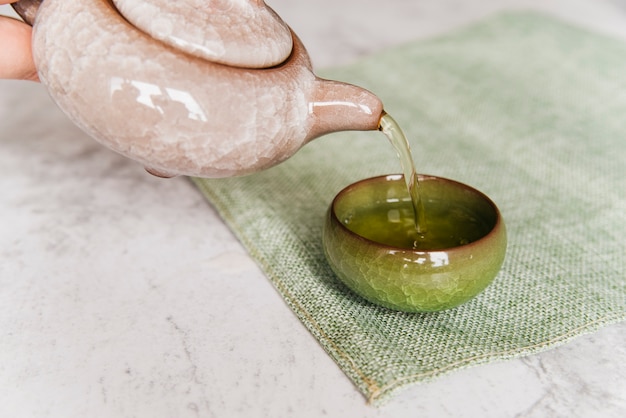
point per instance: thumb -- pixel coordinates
(16, 56)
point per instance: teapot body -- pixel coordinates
(178, 113)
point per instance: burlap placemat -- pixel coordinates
(527, 109)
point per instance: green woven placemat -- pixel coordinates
(530, 111)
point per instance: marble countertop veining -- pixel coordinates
(124, 295)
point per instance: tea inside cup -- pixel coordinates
(371, 243)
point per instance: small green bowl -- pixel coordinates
(408, 279)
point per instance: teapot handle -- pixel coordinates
(27, 9)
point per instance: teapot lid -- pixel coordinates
(241, 33)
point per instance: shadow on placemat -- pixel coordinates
(523, 107)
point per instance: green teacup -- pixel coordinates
(369, 233)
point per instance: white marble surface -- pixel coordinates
(124, 295)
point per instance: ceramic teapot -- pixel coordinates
(207, 88)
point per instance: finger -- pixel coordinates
(16, 56)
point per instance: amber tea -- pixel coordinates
(392, 223)
(415, 223)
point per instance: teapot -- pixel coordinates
(206, 88)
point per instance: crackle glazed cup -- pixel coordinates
(400, 277)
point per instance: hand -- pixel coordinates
(16, 57)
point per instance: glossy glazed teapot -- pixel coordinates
(208, 88)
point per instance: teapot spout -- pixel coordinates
(337, 106)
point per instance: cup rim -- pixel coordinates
(421, 177)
